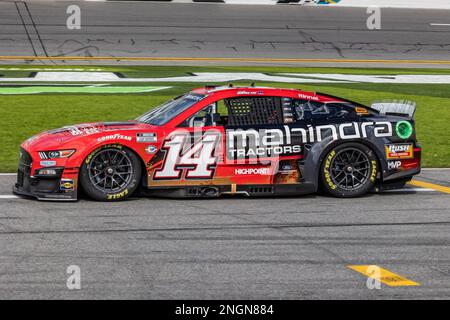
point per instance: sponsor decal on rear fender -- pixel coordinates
(399, 151)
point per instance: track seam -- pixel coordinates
(224, 59)
(235, 227)
(24, 26)
(36, 30)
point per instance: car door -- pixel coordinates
(254, 134)
(192, 152)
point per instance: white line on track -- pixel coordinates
(8, 174)
(440, 24)
(406, 190)
(6, 197)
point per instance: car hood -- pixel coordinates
(58, 137)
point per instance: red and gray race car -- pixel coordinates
(212, 141)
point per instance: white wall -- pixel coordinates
(430, 4)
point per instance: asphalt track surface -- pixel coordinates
(232, 248)
(174, 30)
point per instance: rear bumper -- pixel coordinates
(402, 168)
(402, 174)
(392, 184)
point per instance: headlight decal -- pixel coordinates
(56, 154)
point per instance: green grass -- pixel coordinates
(25, 115)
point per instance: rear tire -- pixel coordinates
(110, 173)
(349, 170)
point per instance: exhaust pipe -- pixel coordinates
(210, 192)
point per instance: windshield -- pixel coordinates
(169, 110)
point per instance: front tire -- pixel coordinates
(110, 173)
(349, 170)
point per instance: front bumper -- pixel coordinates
(70, 196)
(60, 187)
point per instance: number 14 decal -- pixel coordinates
(198, 159)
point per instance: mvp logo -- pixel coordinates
(394, 165)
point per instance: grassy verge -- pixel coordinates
(25, 115)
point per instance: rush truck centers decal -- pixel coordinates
(399, 151)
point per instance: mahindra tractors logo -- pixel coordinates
(252, 143)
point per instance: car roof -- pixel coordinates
(264, 91)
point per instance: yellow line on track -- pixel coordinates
(428, 185)
(223, 59)
(387, 277)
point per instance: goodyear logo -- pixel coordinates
(327, 170)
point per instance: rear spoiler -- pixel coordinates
(395, 108)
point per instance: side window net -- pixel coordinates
(254, 111)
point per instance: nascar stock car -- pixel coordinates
(254, 141)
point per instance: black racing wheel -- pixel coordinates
(110, 173)
(349, 170)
